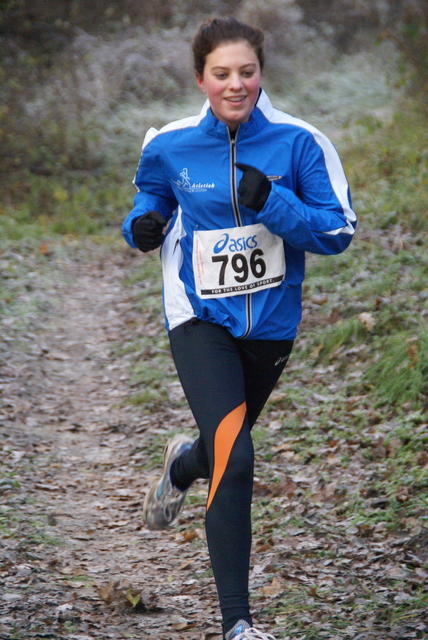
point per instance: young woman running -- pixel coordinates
(245, 190)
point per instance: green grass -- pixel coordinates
(70, 203)
(402, 367)
(382, 274)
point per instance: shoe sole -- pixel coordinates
(167, 462)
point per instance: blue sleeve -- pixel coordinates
(154, 192)
(317, 215)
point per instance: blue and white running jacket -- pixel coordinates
(216, 256)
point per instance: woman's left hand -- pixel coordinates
(254, 187)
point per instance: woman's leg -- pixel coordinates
(209, 366)
(220, 375)
(263, 362)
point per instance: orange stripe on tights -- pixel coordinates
(226, 434)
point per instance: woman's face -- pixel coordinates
(231, 81)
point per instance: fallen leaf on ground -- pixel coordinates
(367, 320)
(275, 588)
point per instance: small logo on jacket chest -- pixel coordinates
(185, 184)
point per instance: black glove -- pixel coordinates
(254, 188)
(147, 231)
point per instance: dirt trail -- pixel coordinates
(76, 458)
(77, 561)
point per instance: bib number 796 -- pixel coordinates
(236, 261)
(240, 266)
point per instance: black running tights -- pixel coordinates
(227, 382)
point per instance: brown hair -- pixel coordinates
(213, 33)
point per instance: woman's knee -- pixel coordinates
(241, 463)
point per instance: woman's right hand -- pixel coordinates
(148, 231)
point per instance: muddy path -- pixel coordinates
(77, 561)
(77, 456)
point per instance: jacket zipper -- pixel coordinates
(236, 212)
(238, 222)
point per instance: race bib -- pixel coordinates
(230, 262)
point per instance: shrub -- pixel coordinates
(405, 22)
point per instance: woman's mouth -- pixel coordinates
(235, 99)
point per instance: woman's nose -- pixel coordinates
(235, 81)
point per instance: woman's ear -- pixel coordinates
(200, 81)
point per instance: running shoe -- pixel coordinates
(243, 631)
(164, 501)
